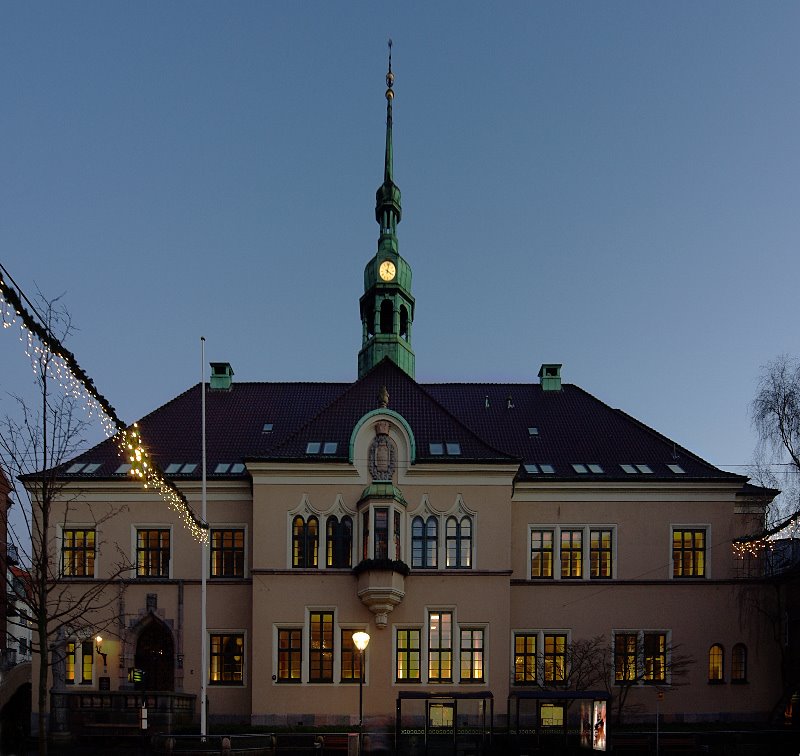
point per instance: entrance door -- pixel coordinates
(155, 656)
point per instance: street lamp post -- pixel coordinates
(361, 640)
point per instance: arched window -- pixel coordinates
(424, 542)
(305, 542)
(459, 542)
(716, 663)
(339, 541)
(387, 316)
(404, 322)
(739, 663)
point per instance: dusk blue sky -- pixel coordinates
(610, 185)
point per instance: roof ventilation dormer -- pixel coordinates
(550, 377)
(221, 376)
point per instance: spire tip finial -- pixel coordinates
(389, 74)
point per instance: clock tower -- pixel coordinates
(387, 307)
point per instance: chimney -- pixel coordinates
(221, 376)
(550, 377)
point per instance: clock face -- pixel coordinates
(387, 270)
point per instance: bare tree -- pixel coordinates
(35, 442)
(775, 412)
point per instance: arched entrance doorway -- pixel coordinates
(155, 656)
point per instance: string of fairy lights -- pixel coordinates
(46, 352)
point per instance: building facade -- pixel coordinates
(491, 538)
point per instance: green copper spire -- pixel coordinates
(387, 307)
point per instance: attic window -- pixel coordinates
(589, 468)
(449, 448)
(92, 467)
(596, 469)
(453, 448)
(630, 469)
(533, 431)
(329, 447)
(437, 448)
(73, 469)
(644, 469)
(222, 467)
(582, 469)
(122, 469)
(188, 468)
(173, 467)
(267, 428)
(236, 468)
(313, 447)
(536, 469)
(677, 469)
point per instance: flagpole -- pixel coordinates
(203, 553)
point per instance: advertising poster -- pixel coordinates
(599, 726)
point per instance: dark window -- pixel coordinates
(525, 658)
(77, 553)
(320, 652)
(541, 553)
(227, 659)
(739, 663)
(404, 322)
(440, 647)
(290, 655)
(227, 553)
(365, 535)
(459, 542)
(305, 542)
(381, 533)
(398, 551)
(407, 662)
(339, 542)
(424, 542)
(387, 316)
(152, 553)
(688, 553)
(655, 657)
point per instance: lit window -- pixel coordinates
(525, 658)
(640, 657)
(625, 657)
(320, 650)
(600, 553)
(552, 715)
(459, 542)
(739, 663)
(571, 553)
(227, 659)
(424, 542)
(305, 541)
(541, 553)
(78, 552)
(440, 646)
(351, 658)
(79, 661)
(688, 553)
(290, 654)
(227, 552)
(716, 663)
(677, 469)
(152, 552)
(471, 655)
(655, 657)
(408, 654)
(313, 447)
(555, 657)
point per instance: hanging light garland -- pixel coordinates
(42, 348)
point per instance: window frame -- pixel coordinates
(459, 543)
(523, 657)
(568, 559)
(425, 546)
(475, 656)
(292, 653)
(304, 544)
(159, 550)
(642, 656)
(739, 664)
(716, 669)
(76, 652)
(230, 635)
(87, 560)
(678, 566)
(571, 568)
(237, 553)
(338, 542)
(350, 656)
(440, 646)
(554, 660)
(409, 653)
(321, 658)
(542, 550)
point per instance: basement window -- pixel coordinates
(677, 469)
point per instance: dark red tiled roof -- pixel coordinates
(489, 422)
